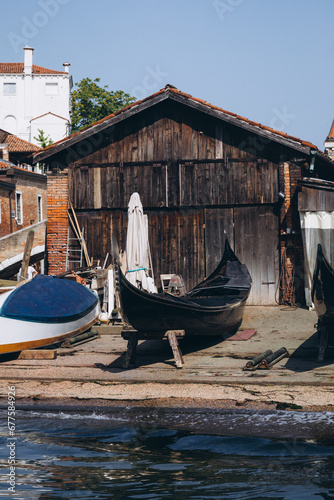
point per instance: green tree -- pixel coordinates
(90, 102)
(42, 140)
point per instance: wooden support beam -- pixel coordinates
(323, 343)
(130, 355)
(171, 335)
(133, 336)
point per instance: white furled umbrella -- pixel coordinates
(137, 247)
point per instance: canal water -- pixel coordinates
(138, 453)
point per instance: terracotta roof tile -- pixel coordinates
(19, 68)
(17, 145)
(4, 164)
(246, 120)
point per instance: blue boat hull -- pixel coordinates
(43, 311)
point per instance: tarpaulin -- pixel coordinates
(317, 227)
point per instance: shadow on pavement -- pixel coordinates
(149, 352)
(305, 357)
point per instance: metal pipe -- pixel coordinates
(10, 210)
(255, 361)
(273, 358)
(79, 338)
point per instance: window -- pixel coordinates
(19, 218)
(51, 89)
(39, 208)
(9, 88)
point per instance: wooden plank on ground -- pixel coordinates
(108, 329)
(38, 354)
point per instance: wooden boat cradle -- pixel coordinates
(133, 336)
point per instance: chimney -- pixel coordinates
(28, 60)
(4, 153)
(66, 65)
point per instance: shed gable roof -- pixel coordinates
(171, 92)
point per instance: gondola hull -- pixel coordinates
(214, 307)
(323, 288)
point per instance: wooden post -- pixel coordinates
(26, 254)
(175, 348)
(323, 341)
(130, 354)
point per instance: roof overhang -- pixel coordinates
(14, 171)
(7, 185)
(246, 125)
(177, 96)
(96, 128)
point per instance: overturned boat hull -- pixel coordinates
(43, 311)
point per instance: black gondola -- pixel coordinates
(323, 288)
(213, 307)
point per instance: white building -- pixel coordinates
(32, 98)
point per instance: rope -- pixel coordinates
(135, 270)
(286, 282)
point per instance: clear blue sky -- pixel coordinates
(268, 60)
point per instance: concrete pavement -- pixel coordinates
(213, 369)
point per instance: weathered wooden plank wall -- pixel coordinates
(316, 198)
(196, 179)
(196, 183)
(218, 226)
(191, 242)
(170, 132)
(256, 245)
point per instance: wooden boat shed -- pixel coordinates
(200, 171)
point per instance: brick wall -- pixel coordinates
(291, 247)
(31, 190)
(31, 186)
(57, 214)
(5, 212)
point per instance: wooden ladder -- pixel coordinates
(74, 254)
